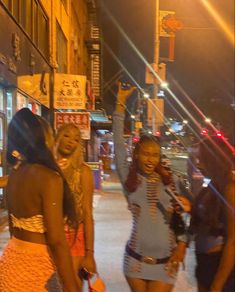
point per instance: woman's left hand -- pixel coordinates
(185, 203)
(89, 262)
(176, 258)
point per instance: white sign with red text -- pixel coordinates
(80, 119)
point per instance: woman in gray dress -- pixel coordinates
(153, 253)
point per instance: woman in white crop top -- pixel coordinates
(38, 199)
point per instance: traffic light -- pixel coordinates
(219, 134)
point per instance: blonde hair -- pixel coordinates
(77, 157)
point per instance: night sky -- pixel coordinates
(204, 58)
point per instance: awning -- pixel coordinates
(99, 120)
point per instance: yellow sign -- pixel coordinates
(138, 125)
(70, 91)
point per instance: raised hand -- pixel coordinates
(124, 92)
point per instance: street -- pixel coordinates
(112, 227)
(159, 67)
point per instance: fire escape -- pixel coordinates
(93, 43)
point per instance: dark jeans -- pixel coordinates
(207, 265)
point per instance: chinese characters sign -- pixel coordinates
(80, 119)
(70, 91)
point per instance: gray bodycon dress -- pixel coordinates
(150, 234)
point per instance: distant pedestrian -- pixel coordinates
(153, 253)
(69, 154)
(213, 218)
(38, 199)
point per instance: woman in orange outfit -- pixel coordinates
(69, 154)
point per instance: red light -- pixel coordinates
(204, 131)
(219, 134)
(135, 139)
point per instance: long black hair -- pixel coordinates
(26, 136)
(132, 181)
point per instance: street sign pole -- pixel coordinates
(156, 61)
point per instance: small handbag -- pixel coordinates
(96, 284)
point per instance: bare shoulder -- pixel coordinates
(45, 173)
(86, 168)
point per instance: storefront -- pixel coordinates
(99, 123)
(24, 76)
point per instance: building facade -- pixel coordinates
(40, 38)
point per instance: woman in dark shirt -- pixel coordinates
(213, 218)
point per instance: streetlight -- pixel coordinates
(146, 95)
(208, 120)
(164, 85)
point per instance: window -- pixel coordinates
(61, 50)
(26, 15)
(42, 32)
(1, 100)
(9, 105)
(7, 3)
(35, 22)
(21, 101)
(15, 9)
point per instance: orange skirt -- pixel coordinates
(27, 267)
(75, 241)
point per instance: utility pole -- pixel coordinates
(156, 61)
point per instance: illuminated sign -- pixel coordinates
(80, 119)
(70, 91)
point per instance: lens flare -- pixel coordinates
(220, 21)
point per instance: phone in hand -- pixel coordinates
(84, 273)
(125, 85)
